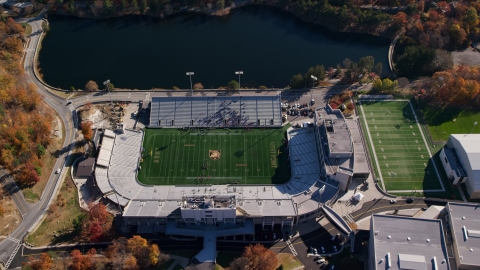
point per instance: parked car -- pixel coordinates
(392, 201)
(57, 171)
(323, 250)
(409, 200)
(134, 113)
(333, 237)
(335, 248)
(315, 251)
(320, 261)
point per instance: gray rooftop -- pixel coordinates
(339, 140)
(465, 220)
(408, 243)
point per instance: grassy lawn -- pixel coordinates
(288, 261)
(401, 153)
(256, 156)
(59, 219)
(28, 28)
(442, 123)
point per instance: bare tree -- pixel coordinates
(403, 82)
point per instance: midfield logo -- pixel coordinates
(215, 154)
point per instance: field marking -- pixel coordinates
(371, 143)
(408, 153)
(426, 146)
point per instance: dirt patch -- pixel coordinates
(33, 194)
(103, 115)
(11, 217)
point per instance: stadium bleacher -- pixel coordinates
(221, 111)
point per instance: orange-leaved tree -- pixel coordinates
(258, 257)
(40, 263)
(98, 222)
(80, 261)
(87, 131)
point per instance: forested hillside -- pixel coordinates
(25, 121)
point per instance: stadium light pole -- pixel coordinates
(313, 84)
(239, 73)
(106, 83)
(474, 125)
(191, 87)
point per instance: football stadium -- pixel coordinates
(226, 166)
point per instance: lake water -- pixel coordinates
(140, 52)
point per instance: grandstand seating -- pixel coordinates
(223, 111)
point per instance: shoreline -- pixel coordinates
(356, 29)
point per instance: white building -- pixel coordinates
(461, 161)
(464, 221)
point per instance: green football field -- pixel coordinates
(401, 153)
(235, 156)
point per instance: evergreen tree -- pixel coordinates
(134, 4)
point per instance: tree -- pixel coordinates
(385, 85)
(297, 81)
(154, 254)
(124, 4)
(239, 263)
(154, 6)
(134, 5)
(87, 131)
(43, 262)
(143, 6)
(378, 68)
(416, 61)
(40, 150)
(197, 86)
(366, 63)
(97, 223)
(260, 257)
(91, 86)
(220, 4)
(403, 82)
(316, 71)
(80, 261)
(233, 85)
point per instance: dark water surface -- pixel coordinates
(139, 52)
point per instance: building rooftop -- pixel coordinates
(465, 220)
(85, 168)
(408, 243)
(471, 145)
(338, 134)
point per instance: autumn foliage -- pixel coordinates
(255, 257)
(80, 261)
(458, 87)
(44, 261)
(87, 131)
(97, 223)
(25, 121)
(134, 253)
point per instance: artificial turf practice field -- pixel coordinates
(235, 156)
(400, 149)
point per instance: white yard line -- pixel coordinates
(426, 145)
(373, 147)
